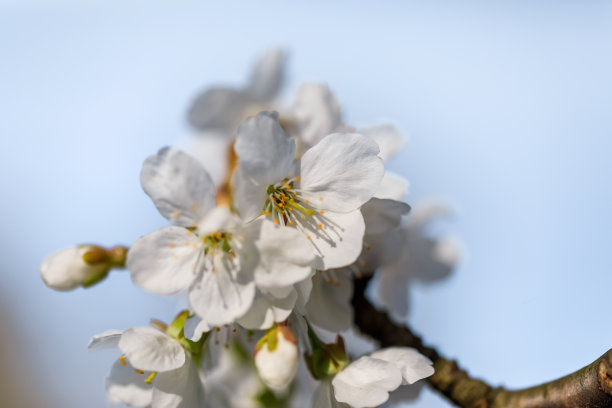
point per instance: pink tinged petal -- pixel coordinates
(268, 75)
(413, 365)
(180, 188)
(226, 289)
(179, 388)
(389, 140)
(339, 241)
(341, 172)
(219, 109)
(381, 215)
(316, 112)
(329, 305)
(366, 382)
(165, 261)
(286, 256)
(267, 310)
(149, 349)
(125, 385)
(106, 340)
(265, 152)
(392, 186)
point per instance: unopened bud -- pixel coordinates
(276, 357)
(326, 360)
(83, 265)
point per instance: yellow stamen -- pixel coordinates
(150, 377)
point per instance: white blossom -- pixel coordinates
(154, 370)
(367, 381)
(223, 108)
(425, 256)
(319, 195)
(209, 250)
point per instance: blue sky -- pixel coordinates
(505, 105)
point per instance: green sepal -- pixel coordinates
(268, 399)
(176, 329)
(326, 360)
(95, 255)
(98, 277)
(270, 339)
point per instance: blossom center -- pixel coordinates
(285, 203)
(218, 241)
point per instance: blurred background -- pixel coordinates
(506, 106)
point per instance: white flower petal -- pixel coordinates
(219, 109)
(339, 242)
(267, 75)
(219, 219)
(382, 249)
(180, 188)
(226, 289)
(66, 269)
(267, 310)
(388, 139)
(366, 382)
(194, 328)
(316, 113)
(179, 388)
(329, 304)
(381, 215)
(102, 341)
(303, 290)
(207, 147)
(341, 172)
(164, 261)
(392, 186)
(413, 365)
(265, 152)
(149, 349)
(125, 385)
(324, 396)
(249, 197)
(285, 255)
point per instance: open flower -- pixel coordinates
(158, 368)
(367, 381)
(425, 257)
(319, 195)
(223, 108)
(209, 250)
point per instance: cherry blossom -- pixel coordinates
(209, 250)
(319, 195)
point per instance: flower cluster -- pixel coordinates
(268, 252)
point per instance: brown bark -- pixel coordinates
(589, 387)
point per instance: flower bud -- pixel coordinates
(276, 357)
(82, 265)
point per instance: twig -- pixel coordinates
(589, 387)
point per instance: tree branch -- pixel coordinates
(589, 387)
